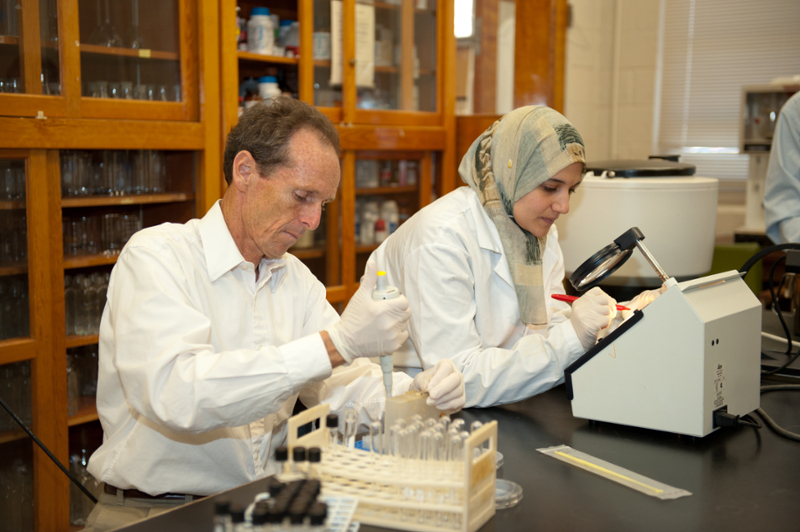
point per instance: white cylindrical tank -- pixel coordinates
(677, 215)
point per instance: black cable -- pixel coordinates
(749, 421)
(763, 253)
(47, 451)
(777, 309)
(768, 420)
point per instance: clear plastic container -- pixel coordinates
(268, 87)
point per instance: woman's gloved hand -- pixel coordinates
(644, 298)
(370, 328)
(444, 384)
(592, 312)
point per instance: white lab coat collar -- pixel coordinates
(222, 254)
(488, 237)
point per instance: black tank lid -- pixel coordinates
(641, 168)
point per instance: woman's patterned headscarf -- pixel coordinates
(515, 155)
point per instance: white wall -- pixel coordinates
(610, 76)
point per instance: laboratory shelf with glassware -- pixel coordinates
(377, 70)
(102, 133)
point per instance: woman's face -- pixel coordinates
(537, 210)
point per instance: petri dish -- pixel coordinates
(506, 494)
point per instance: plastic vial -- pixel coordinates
(376, 437)
(299, 460)
(259, 519)
(316, 516)
(350, 425)
(332, 422)
(222, 516)
(314, 459)
(282, 457)
(237, 518)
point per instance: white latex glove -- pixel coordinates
(592, 312)
(444, 384)
(370, 328)
(644, 298)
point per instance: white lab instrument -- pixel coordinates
(675, 209)
(384, 291)
(692, 352)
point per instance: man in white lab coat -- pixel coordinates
(211, 331)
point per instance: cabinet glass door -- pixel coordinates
(327, 80)
(131, 50)
(14, 307)
(29, 63)
(396, 50)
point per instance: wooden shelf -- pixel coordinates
(79, 341)
(324, 63)
(386, 69)
(386, 5)
(385, 190)
(13, 269)
(11, 435)
(366, 249)
(9, 39)
(128, 52)
(87, 412)
(427, 72)
(87, 261)
(6, 205)
(248, 56)
(100, 201)
(308, 253)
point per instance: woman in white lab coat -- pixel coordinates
(479, 265)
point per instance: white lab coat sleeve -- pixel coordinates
(440, 286)
(167, 367)
(782, 189)
(358, 385)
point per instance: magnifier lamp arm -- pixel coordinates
(652, 260)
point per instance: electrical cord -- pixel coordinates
(768, 420)
(47, 451)
(743, 271)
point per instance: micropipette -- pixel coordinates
(384, 291)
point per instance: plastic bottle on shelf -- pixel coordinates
(260, 32)
(322, 39)
(381, 233)
(369, 215)
(251, 98)
(268, 87)
(291, 40)
(412, 173)
(386, 174)
(241, 31)
(391, 214)
(402, 173)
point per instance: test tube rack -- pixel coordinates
(404, 493)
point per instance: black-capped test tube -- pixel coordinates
(332, 422)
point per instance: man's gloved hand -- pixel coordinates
(444, 384)
(370, 328)
(644, 298)
(592, 312)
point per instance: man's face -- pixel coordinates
(277, 209)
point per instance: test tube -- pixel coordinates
(456, 448)
(350, 425)
(332, 422)
(282, 457)
(394, 439)
(458, 423)
(376, 437)
(475, 426)
(439, 447)
(314, 459)
(413, 442)
(403, 442)
(299, 460)
(445, 421)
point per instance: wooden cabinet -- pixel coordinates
(390, 95)
(109, 121)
